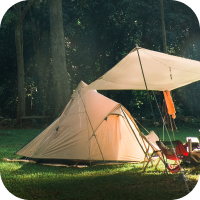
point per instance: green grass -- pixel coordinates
(127, 181)
(183, 131)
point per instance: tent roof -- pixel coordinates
(162, 72)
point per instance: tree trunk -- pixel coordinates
(20, 64)
(20, 60)
(60, 76)
(163, 27)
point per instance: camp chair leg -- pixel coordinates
(149, 160)
(146, 165)
(145, 157)
(152, 163)
(194, 158)
(143, 164)
(158, 162)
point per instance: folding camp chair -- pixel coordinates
(153, 152)
(177, 152)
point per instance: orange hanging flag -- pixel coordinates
(170, 105)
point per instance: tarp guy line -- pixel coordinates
(150, 102)
(147, 89)
(132, 130)
(152, 107)
(153, 57)
(172, 144)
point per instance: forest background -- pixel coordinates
(96, 36)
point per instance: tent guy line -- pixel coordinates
(153, 57)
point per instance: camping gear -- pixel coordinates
(172, 169)
(193, 148)
(170, 105)
(168, 111)
(169, 121)
(195, 153)
(194, 142)
(176, 152)
(173, 150)
(92, 129)
(151, 139)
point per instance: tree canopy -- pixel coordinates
(97, 35)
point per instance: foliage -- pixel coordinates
(8, 71)
(98, 34)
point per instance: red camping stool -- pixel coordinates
(176, 153)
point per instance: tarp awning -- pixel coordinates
(162, 72)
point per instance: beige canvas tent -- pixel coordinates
(92, 128)
(162, 72)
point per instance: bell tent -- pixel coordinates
(91, 129)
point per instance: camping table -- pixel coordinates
(195, 152)
(33, 117)
(192, 143)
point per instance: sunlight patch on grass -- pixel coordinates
(6, 167)
(123, 181)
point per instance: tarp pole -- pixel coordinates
(148, 95)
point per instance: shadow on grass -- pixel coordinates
(33, 181)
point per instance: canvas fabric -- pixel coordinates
(92, 127)
(162, 72)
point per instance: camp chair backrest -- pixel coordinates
(150, 143)
(152, 137)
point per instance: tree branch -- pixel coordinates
(25, 10)
(15, 9)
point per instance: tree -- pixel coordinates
(97, 34)
(39, 68)
(61, 88)
(163, 27)
(19, 52)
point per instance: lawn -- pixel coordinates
(127, 181)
